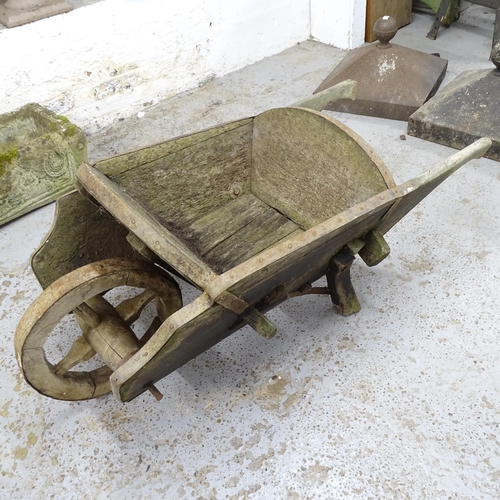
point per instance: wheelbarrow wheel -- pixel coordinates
(82, 292)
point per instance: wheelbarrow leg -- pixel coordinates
(338, 277)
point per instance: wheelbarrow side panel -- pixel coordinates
(267, 280)
(119, 164)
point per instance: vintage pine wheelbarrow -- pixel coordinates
(251, 213)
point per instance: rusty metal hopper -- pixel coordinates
(464, 110)
(393, 81)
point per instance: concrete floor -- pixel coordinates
(399, 401)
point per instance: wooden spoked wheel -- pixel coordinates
(106, 329)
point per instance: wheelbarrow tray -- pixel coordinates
(251, 213)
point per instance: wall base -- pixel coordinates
(11, 17)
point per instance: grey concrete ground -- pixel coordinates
(399, 401)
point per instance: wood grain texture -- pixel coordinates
(80, 234)
(399, 9)
(237, 231)
(321, 100)
(182, 187)
(121, 163)
(133, 216)
(201, 324)
(310, 167)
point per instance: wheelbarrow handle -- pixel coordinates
(445, 168)
(319, 101)
(415, 190)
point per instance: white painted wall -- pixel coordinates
(339, 22)
(116, 57)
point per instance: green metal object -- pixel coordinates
(449, 16)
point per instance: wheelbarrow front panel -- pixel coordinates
(81, 233)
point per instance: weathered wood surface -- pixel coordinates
(237, 231)
(80, 234)
(201, 324)
(311, 167)
(118, 164)
(103, 331)
(375, 248)
(184, 186)
(132, 215)
(320, 101)
(336, 209)
(338, 277)
(260, 233)
(286, 267)
(165, 209)
(121, 163)
(355, 222)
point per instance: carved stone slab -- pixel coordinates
(39, 153)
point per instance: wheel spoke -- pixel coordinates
(106, 329)
(130, 309)
(79, 352)
(155, 324)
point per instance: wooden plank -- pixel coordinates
(261, 232)
(399, 9)
(237, 231)
(216, 226)
(121, 163)
(182, 187)
(310, 167)
(145, 227)
(323, 99)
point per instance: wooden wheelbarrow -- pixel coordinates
(251, 213)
